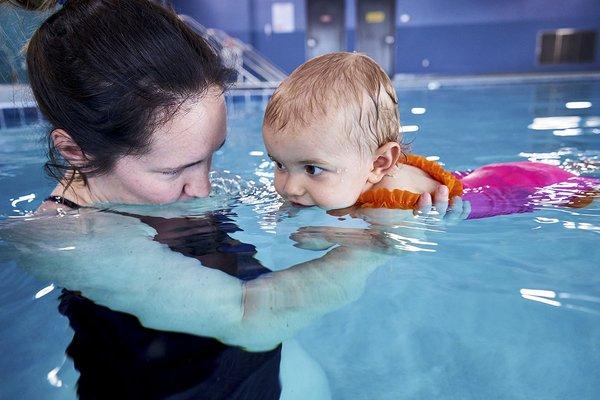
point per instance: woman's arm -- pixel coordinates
(114, 261)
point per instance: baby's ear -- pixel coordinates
(384, 161)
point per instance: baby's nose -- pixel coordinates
(293, 188)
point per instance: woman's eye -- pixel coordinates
(171, 173)
(279, 165)
(313, 170)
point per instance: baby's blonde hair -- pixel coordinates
(350, 83)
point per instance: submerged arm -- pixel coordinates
(113, 261)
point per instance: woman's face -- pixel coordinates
(178, 163)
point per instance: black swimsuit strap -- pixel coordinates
(62, 200)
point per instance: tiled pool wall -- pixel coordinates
(15, 114)
(237, 99)
(17, 109)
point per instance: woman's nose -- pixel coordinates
(197, 188)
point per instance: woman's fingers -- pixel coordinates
(311, 243)
(460, 209)
(440, 199)
(317, 237)
(455, 211)
(311, 239)
(466, 210)
(424, 204)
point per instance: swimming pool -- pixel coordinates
(506, 307)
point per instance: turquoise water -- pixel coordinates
(506, 307)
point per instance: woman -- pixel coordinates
(136, 104)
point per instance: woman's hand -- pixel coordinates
(371, 243)
(324, 237)
(439, 199)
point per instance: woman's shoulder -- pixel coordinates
(53, 205)
(49, 207)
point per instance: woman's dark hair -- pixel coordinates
(105, 70)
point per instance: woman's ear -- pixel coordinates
(67, 147)
(384, 161)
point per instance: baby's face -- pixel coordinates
(315, 168)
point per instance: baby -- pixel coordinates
(333, 130)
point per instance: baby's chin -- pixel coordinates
(296, 204)
(337, 206)
(325, 206)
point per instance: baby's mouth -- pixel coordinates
(294, 203)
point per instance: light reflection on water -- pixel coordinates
(576, 105)
(459, 314)
(558, 299)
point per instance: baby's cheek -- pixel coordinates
(337, 197)
(278, 183)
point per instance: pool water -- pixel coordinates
(506, 307)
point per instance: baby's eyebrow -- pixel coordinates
(309, 162)
(314, 161)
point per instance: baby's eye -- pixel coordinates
(313, 170)
(279, 166)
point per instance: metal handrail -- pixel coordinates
(254, 70)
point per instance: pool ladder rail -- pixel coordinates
(254, 71)
(256, 79)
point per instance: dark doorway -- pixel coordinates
(325, 28)
(375, 31)
(567, 46)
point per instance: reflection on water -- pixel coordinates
(570, 159)
(122, 275)
(459, 309)
(46, 290)
(547, 123)
(578, 105)
(562, 299)
(409, 128)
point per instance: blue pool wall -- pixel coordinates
(459, 37)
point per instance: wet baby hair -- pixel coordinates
(346, 87)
